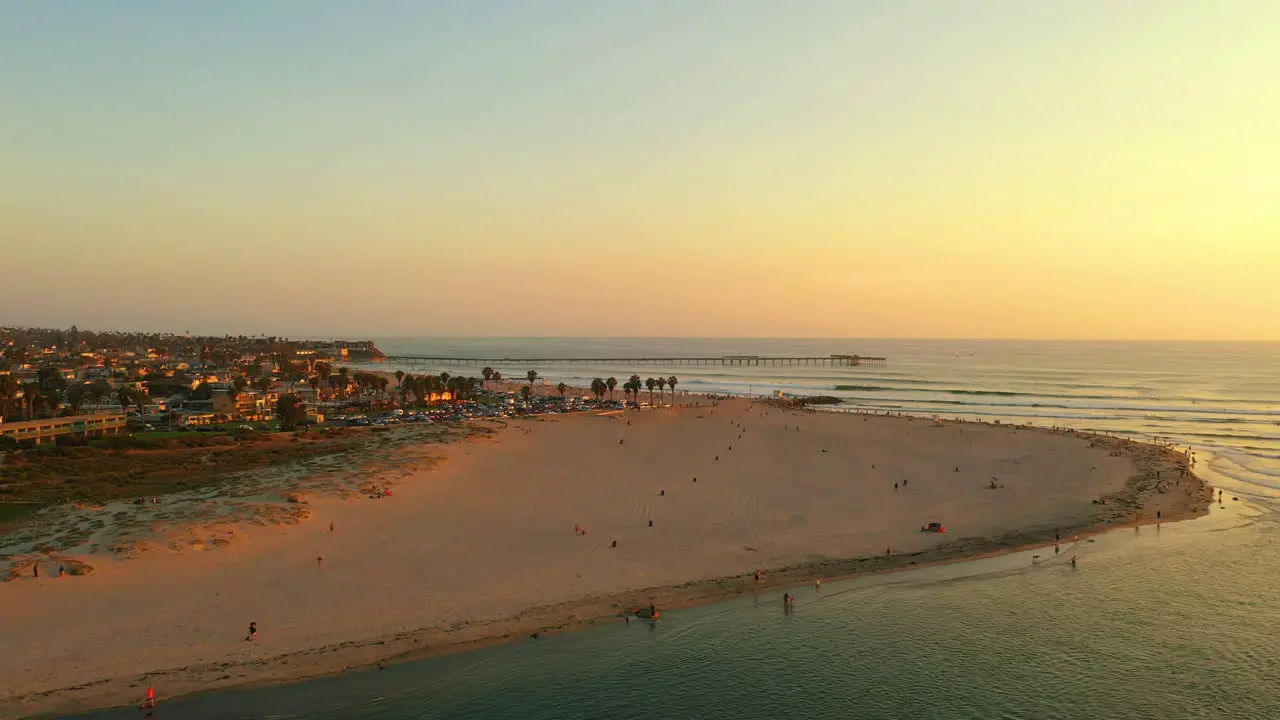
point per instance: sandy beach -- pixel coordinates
(477, 541)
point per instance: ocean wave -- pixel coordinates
(991, 412)
(1266, 453)
(1062, 396)
(1198, 414)
(1240, 461)
(1232, 436)
(988, 413)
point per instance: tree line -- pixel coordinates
(50, 390)
(632, 387)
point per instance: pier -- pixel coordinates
(761, 360)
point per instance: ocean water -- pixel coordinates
(1223, 400)
(1175, 623)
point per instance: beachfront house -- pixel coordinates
(244, 405)
(191, 418)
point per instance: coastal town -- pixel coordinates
(96, 416)
(75, 383)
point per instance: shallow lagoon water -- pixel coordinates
(1180, 622)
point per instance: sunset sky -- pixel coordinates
(814, 168)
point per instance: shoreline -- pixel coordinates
(590, 610)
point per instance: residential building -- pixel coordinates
(44, 431)
(245, 405)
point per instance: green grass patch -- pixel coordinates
(14, 512)
(166, 434)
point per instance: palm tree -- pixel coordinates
(527, 392)
(263, 384)
(563, 389)
(291, 411)
(99, 390)
(598, 387)
(314, 382)
(141, 398)
(651, 384)
(671, 383)
(488, 375)
(9, 386)
(611, 383)
(76, 395)
(53, 399)
(324, 370)
(343, 380)
(122, 394)
(662, 386)
(399, 377)
(497, 376)
(532, 375)
(422, 389)
(31, 397)
(49, 378)
(405, 386)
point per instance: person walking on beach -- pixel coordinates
(253, 632)
(150, 700)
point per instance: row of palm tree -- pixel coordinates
(491, 375)
(364, 382)
(631, 388)
(426, 387)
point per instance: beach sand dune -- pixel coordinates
(483, 544)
